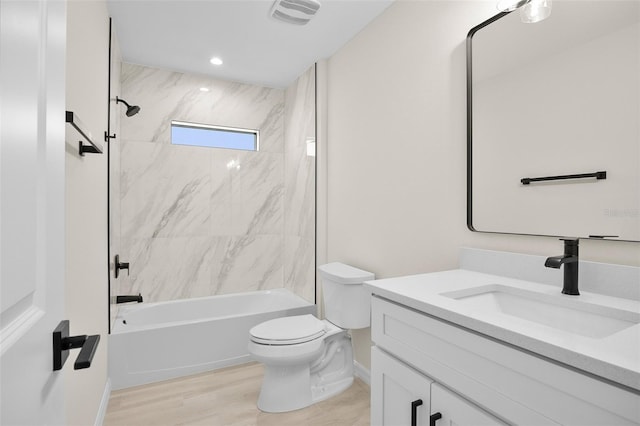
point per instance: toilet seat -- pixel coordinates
(288, 330)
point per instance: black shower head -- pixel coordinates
(131, 109)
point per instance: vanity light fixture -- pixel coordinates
(531, 11)
(510, 5)
(535, 11)
(215, 61)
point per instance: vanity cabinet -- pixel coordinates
(472, 379)
(451, 409)
(400, 392)
(401, 395)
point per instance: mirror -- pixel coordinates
(556, 98)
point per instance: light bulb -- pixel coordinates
(510, 5)
(535, 11)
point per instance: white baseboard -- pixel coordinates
(104, 403)
(361, 373)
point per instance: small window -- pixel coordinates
(183, 133)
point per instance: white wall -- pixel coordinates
(396, 162)
(86, 294)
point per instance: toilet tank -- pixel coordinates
(347, 303)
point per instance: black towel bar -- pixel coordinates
(75, 122)
(597, 175)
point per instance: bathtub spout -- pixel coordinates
(126, 299)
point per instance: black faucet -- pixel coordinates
(570, 261)
(126, 299)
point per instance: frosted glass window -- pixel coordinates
(183, 133)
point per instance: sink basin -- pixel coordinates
(561, 312)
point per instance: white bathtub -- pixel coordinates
(150, 342)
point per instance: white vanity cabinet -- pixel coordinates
(400, 395)
(471, 379)
(403, 396)
(451, 409)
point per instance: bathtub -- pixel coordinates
(150, 342)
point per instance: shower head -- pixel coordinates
(131, 109)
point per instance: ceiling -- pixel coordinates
(183, 35)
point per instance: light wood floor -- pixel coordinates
(227, 397)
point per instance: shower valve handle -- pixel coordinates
(120, 265)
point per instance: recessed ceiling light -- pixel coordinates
(216, 61)
(204, 89)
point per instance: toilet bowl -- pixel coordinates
(307, 360)
(301, 367)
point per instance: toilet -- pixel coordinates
(307, 360)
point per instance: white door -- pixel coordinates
(32, 149)
(400, 395)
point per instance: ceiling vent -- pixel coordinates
(297, 12)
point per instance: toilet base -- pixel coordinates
(321, 393)
(285, 389)
(292, 387)
(295, 392)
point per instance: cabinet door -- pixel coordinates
(398, 392)
(457, 411)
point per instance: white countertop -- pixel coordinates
(615, 357)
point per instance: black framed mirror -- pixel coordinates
(557, 100)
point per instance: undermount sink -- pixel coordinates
(567, 313)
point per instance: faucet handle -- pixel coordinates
(120, 265)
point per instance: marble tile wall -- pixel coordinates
(299, 183)
(200, 221)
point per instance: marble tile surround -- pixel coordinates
(165, 96)
(299, 179)
(199, 221)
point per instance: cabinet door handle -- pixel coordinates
(434, 418)
(414, 411)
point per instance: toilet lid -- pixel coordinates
(288, 330)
